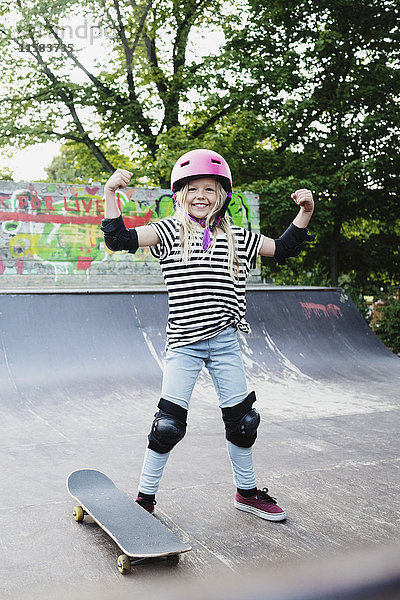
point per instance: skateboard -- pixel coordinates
(140, 535)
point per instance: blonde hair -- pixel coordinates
(189, 228)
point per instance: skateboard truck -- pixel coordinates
(141, 537)
(125, 562)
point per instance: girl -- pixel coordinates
(205, 262)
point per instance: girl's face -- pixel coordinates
(201, 196)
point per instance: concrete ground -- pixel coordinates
(80, 378)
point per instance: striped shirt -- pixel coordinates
(203, 298)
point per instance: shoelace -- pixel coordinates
(263, 494)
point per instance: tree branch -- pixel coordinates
(296, 133)
(142, 121)
(213, 119)
(61, 135)
(141, 24)
(67, 98)
(159, 79)
(71, 55)
(89, 143)
(39, 96)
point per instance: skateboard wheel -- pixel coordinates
(78, 513)
(124, 564)
(174, 559)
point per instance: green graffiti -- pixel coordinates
(51, 229)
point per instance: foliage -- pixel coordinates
(6, 174)
(326, 78)
(76, 164)
(388, 326)
(133, 97)
(297, 95)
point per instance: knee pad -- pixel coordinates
(241, 422)
(168, 428)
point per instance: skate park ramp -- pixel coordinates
(80, 377)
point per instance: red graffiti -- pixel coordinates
(74, 203)
(319, 310)
(48, 201)
(19, 267)
(134, 221)
(84, 263)
(92, 191)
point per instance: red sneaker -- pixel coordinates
(262, 505)
(146, 504)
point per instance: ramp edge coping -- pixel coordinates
(156, 290)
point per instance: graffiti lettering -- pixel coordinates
(48, 201)
(53, 230)
(319, 310)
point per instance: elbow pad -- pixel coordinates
(117, 237)
(289, 243)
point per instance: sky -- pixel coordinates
(29, 164)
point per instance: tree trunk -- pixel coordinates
(334, 252)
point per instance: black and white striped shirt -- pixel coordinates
(203, 298)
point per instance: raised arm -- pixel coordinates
(117, 236)
(289, 243)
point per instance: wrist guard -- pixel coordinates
(117, 237)
(289, 243)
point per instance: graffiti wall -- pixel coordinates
(50, 235)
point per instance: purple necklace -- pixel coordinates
(207, 229)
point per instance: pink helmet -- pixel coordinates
(200, 163)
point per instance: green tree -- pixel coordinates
(388, 326)
(75, 163)
(301, 94)
(325, 77)
(149, 90)
(6, 174)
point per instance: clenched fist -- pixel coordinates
(119, 179)
(304, 199)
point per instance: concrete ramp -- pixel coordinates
(320, 333)
(80, 377)
(65, 338)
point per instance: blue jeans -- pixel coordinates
(222, 357)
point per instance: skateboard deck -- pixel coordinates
(138, 533)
